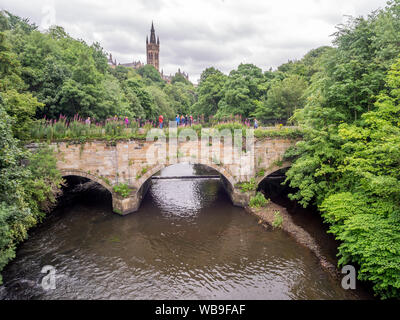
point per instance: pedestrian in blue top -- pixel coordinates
(177, 120)
(255, 123)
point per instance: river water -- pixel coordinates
(187, 241)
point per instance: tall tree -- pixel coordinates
(209, 92)
(242, 89)
(283, 98)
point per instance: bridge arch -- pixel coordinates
(271, 170)
(152, 171)
(79, 173)
(228, 181)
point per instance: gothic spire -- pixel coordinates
(152, 34)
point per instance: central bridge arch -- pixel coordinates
(152, 171)
(227, 179)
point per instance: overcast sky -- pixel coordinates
(195, 35)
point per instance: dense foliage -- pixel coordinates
(26, 191)
(348, 162)
(271, 97)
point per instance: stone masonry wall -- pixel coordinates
(134, 162)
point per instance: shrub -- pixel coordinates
(248, 185)
(232, 126)
(258, 201)
(289, 133)
(122, 189)
(29, 184)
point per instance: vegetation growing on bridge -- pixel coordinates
(122, 189)
(115, 129)
(247, 186)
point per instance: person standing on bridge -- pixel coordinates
(177, 120)
(160, 121)
(126, 122)
(255, 123)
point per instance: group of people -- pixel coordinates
(247, 123)
(184, 120)
(180, 121)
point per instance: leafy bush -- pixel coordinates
(122, 189)
(258, 201)
(29, 184)
(248, 185)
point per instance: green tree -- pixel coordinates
(26, 191)
(181, 96)
(150, 75)
(135, 87)
(209, 92)
(347, 85)
(347, 162)
(18, 103)
(283, 98)
(161, 102)
(178, 77)
(365, 212)
(243, 88)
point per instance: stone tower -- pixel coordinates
(153, 49)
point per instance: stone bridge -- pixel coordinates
(131, 163)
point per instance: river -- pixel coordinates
(187, 241)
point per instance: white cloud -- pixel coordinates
(197, 34)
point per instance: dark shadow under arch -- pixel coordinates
(78, 173)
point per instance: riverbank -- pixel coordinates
(267, 215)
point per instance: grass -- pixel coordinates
(278, 219)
